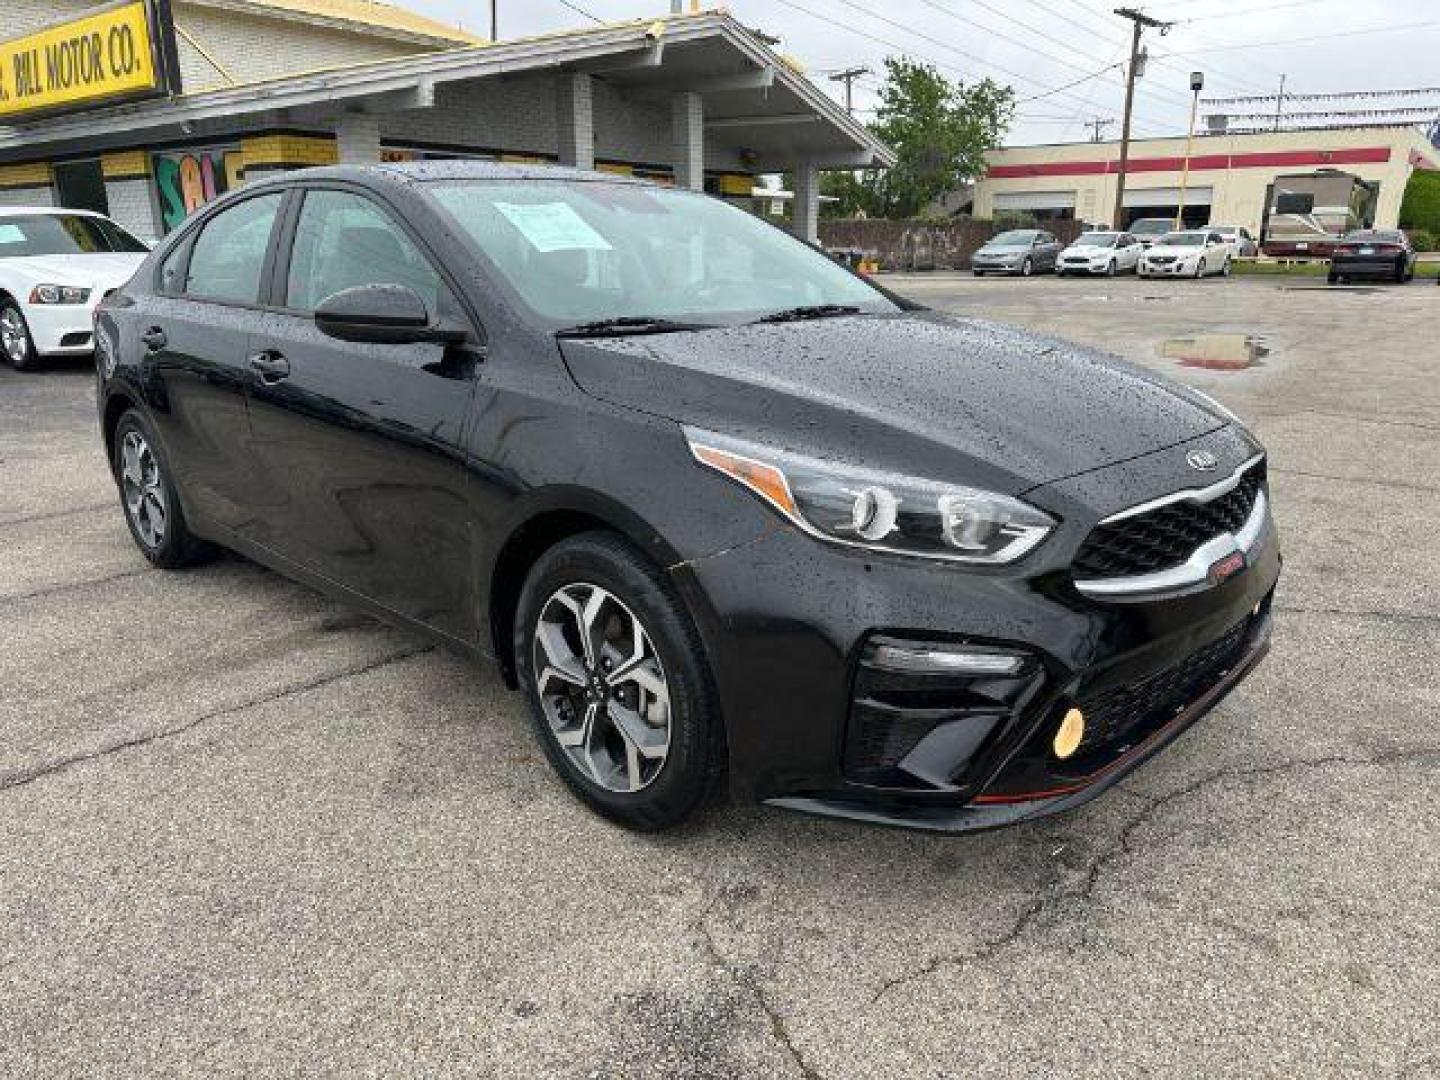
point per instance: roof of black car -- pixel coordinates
(461, 169)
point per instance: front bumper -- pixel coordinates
(787, 621)
(61, 329)
(1175, 269)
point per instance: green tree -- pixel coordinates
(939, 130)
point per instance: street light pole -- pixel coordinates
(1197, 83)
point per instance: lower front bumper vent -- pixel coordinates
(1113, 715)
(919, 730)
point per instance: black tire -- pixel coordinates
(175, 546)
(1332, 278)
(28, 359)
(694, 763)
(1225, 268)
(978, 273)
(1111, 269)
(1026, 267)
(1400, 278)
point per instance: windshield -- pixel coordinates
(62, 234)
(1013, 238)
(1183, 239)
(1096, 239)
(1151, 226)
(583, 252)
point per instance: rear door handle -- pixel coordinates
(154, 338)
(271, 365)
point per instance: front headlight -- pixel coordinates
(880, 511)
(59, 294)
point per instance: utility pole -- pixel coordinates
(1140, 21)
(1097, 128)
(1280, 103)
(848, 76)
(494, 20)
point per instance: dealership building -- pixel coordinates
(147, 109)
(1230, 175)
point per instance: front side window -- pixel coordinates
(62, 234)
(343, 241)
(229, 254)
(583, 252)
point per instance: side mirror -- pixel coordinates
(381, 315)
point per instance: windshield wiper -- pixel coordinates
(630, 324)
(810, 311)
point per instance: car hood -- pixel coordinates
(1173, 249)
(1002, 249)
(921, 393)
(1088, 250)
(103, 270)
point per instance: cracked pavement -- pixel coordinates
(245, 831)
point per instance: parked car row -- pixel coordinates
(1182, 253)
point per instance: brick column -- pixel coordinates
(357, 139)
(575, 120)
(687, 140)
(806, 208)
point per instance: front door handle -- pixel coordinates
(154, 339)
(271, 365)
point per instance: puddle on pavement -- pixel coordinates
(1216, 352)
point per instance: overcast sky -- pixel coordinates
(1040, 46)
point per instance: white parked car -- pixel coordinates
(55, 266)
(1192, 253)
(1242, 244)
(1100, 252)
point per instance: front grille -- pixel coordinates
(1144, 706)
(1166, 536)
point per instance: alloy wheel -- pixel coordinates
(1026, 267)
(14, 336)
(143, 489)
(602, 687)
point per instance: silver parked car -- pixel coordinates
(1017, 251)
(1242, 244)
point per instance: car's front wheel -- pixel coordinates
(1027, 267)
(619, 691)
(147, 494)
(15, 340)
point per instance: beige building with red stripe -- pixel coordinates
(1229, 174)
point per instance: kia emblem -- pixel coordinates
(1202, 460)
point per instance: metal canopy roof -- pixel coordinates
(752, 97)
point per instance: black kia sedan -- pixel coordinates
(721, 509)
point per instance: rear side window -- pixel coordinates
(228, 257)
(343, 241)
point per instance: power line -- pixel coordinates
(1364, 32)
(580, 11)
(905, 50)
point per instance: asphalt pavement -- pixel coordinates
(244, 831)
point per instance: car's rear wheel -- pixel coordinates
(147, 494)
(1400, 278)
(614, 669)
(978, 273)
(1225, 268)
(15, 340)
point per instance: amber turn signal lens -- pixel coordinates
(765, 480)
(1069, 734)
